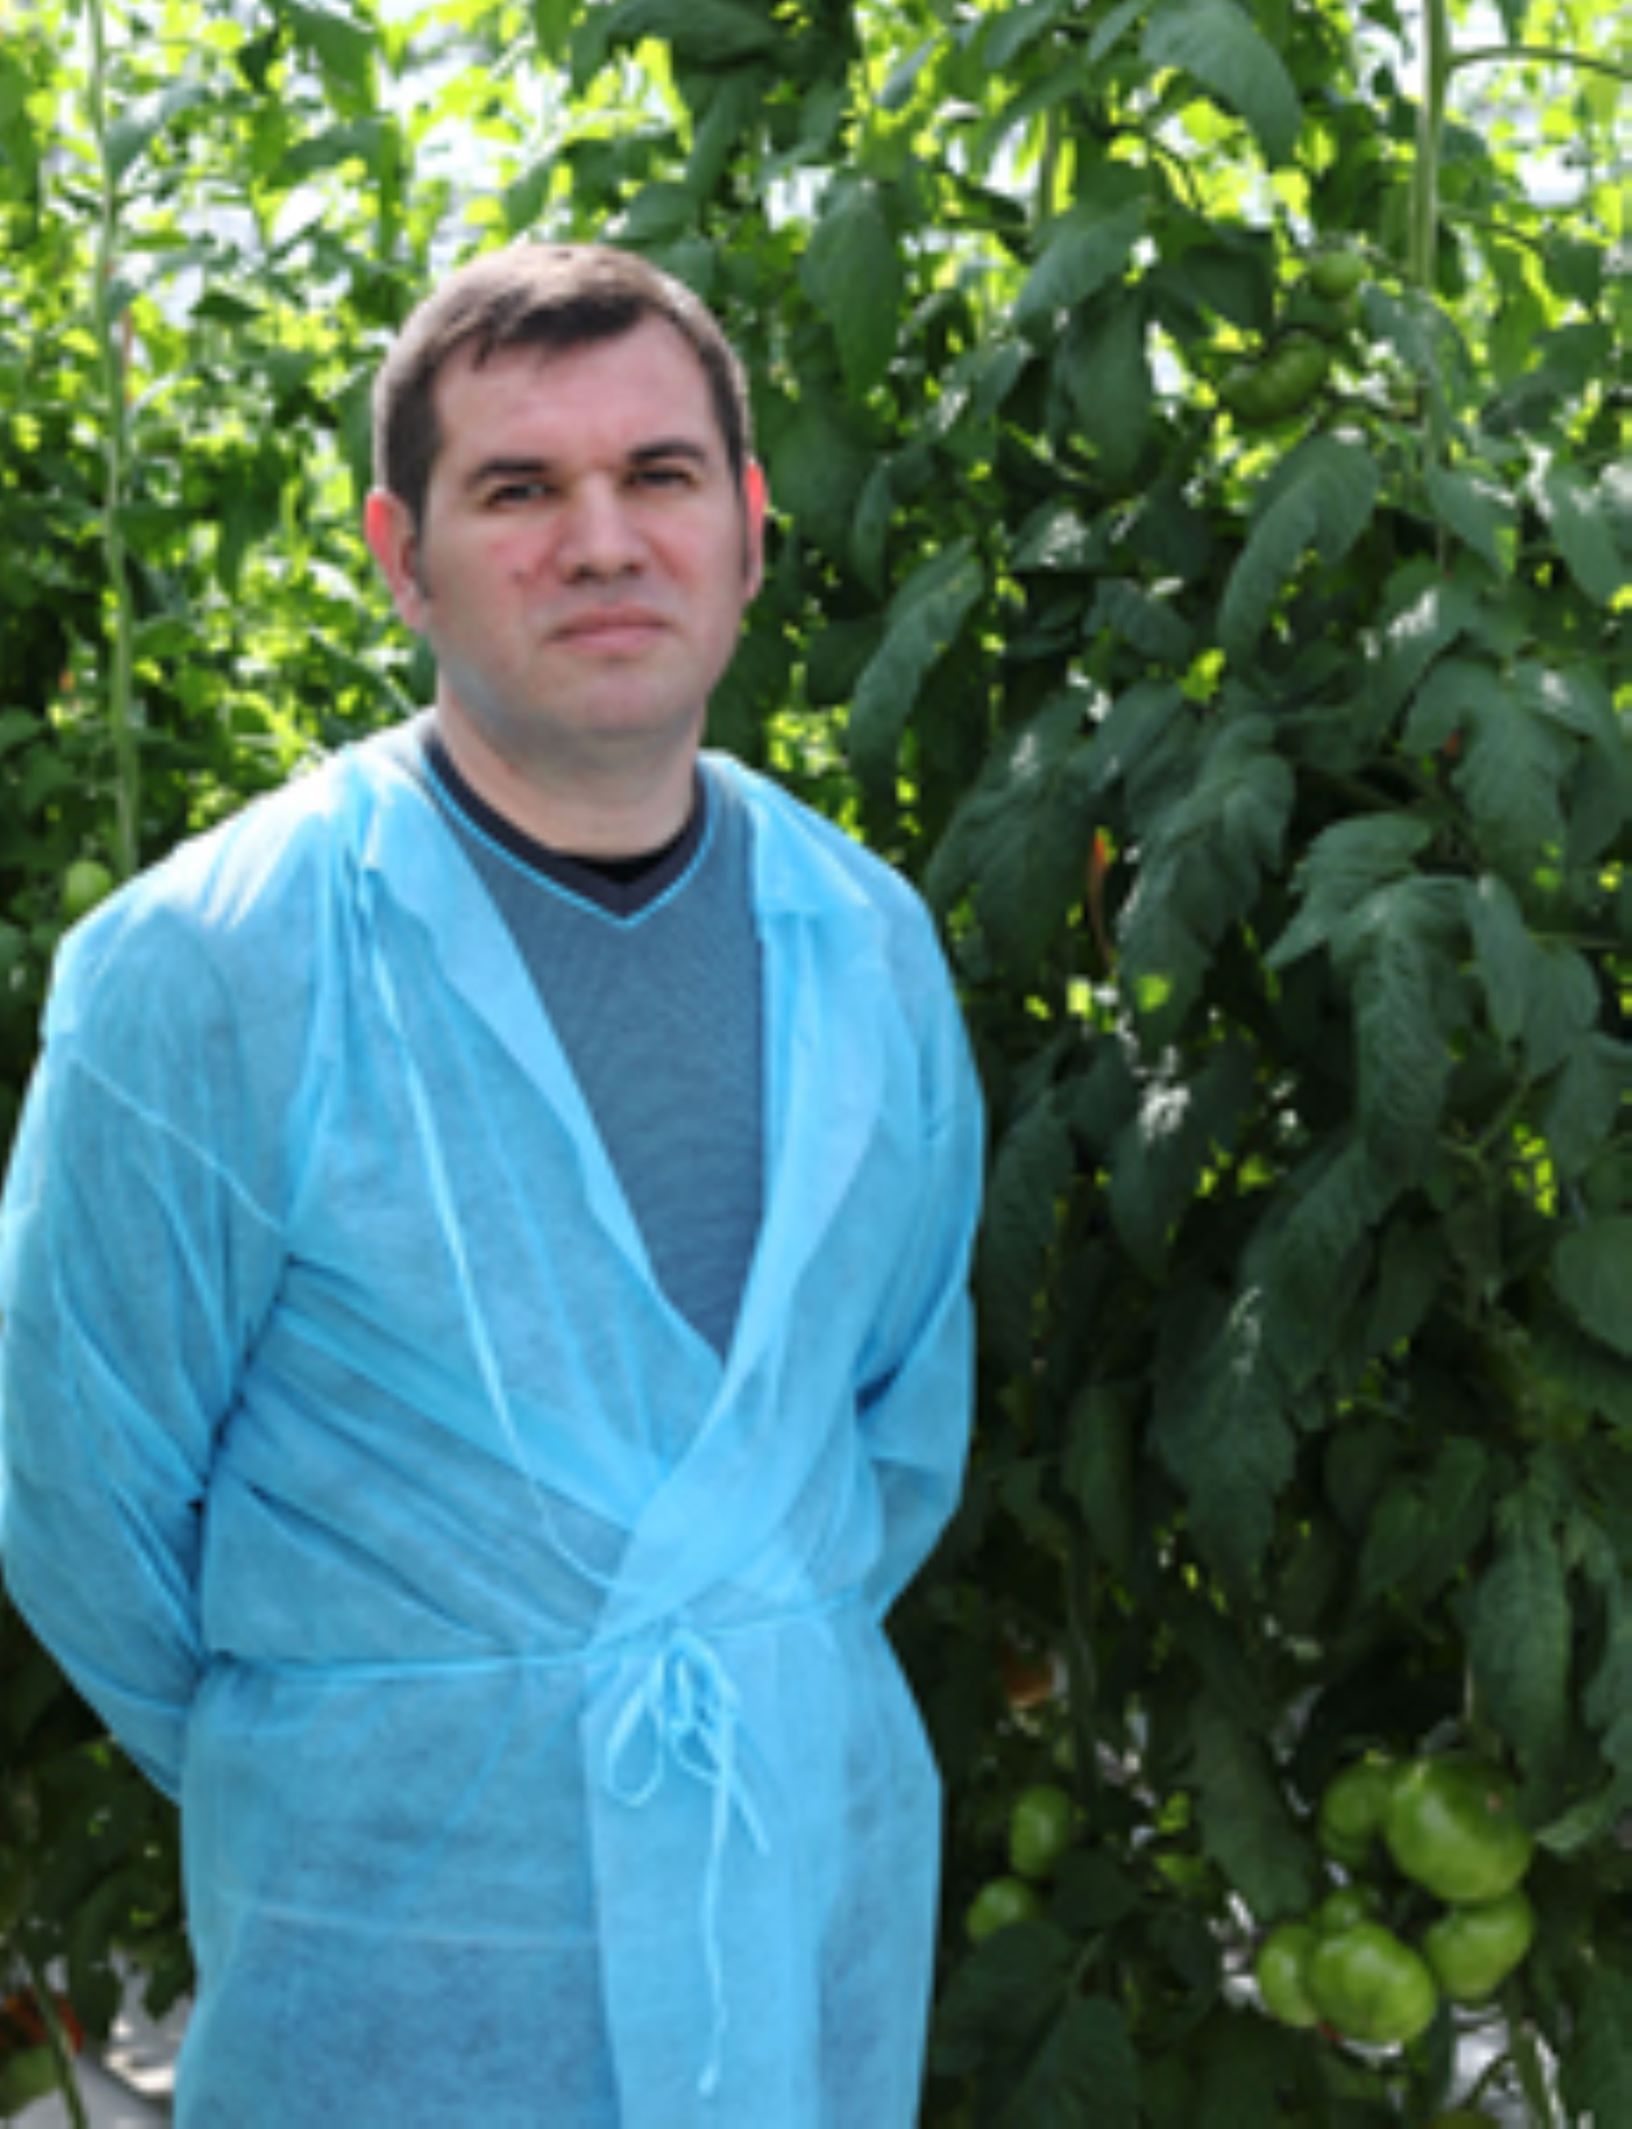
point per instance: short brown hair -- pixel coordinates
(536, 295)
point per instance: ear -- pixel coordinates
(393, 541)
(756, 501)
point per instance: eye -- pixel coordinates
(511, 494)
(664, 474)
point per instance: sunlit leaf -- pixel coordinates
(1584, 532)
(1218, 43)
(1319, 502)
(853, 273)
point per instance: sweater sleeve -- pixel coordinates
(133, 1272)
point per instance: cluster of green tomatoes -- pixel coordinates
(1044, 1823)
(1448, 1826)
(1281, 380)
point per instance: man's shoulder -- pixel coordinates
(236, 908)
(809, 856)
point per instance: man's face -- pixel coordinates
(585, 555)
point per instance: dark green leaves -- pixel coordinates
(1083, 250)
(1596, 2072)
(1245, 1824)
(1591, 1271)
(1318, 502)
(1520, 1631)
(923, 622)
(1065, 2053)
(1021, 837)
(853, 274)
(1218, 43)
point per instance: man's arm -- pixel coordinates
(916, 1410)
(133, 1269)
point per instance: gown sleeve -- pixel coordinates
(916, 1403)
(133, 1269)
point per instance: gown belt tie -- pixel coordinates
(684, 1712)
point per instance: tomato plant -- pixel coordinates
(1268, 774)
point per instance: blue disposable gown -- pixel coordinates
(517, 1661)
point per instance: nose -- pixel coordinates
(599, 537)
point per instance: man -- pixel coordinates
(486, 1335)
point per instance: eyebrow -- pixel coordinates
(660, 449)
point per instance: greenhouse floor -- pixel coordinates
(128, 2085)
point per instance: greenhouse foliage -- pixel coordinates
(1199, 435)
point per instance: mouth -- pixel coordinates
(611, 629)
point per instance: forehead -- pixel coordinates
(596, 396)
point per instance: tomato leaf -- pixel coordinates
(820, 456)
(1219, 45)
(1425, 1525)
(1479, 512)
(1085, 2070)
(1220, 1426)
(1583, 531)
(1084, 249)
(1318, 501)
(1106, 369)
(852, 272)
(1520, 1630)
(1211, 833)
(1159, 1156)
(1595, 2072)
(1403, 974)
(1001, 1994)
(1021, 836)
(1592, 1275)
(1245, 1824)
(1343, 865)
(1031, 1171)
(924, 619)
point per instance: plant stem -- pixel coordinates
(57, 2040)
(1545, 54)
(1438, 60)
(1533, 2078)
(120, 701)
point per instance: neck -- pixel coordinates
(597, 802)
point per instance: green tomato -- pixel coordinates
(1333, 275)
(1345, 1907)
(86, 882)
(1451, 1826)
(1472, 1950)
(1352, 1808)
(1042, 1827)
(1245, 391)
(25, 2076)
(1370, 1986)
(1296, 370)
(1000, 1902)
(1278, 385)
(1281, 1971)
(1352, 1854)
